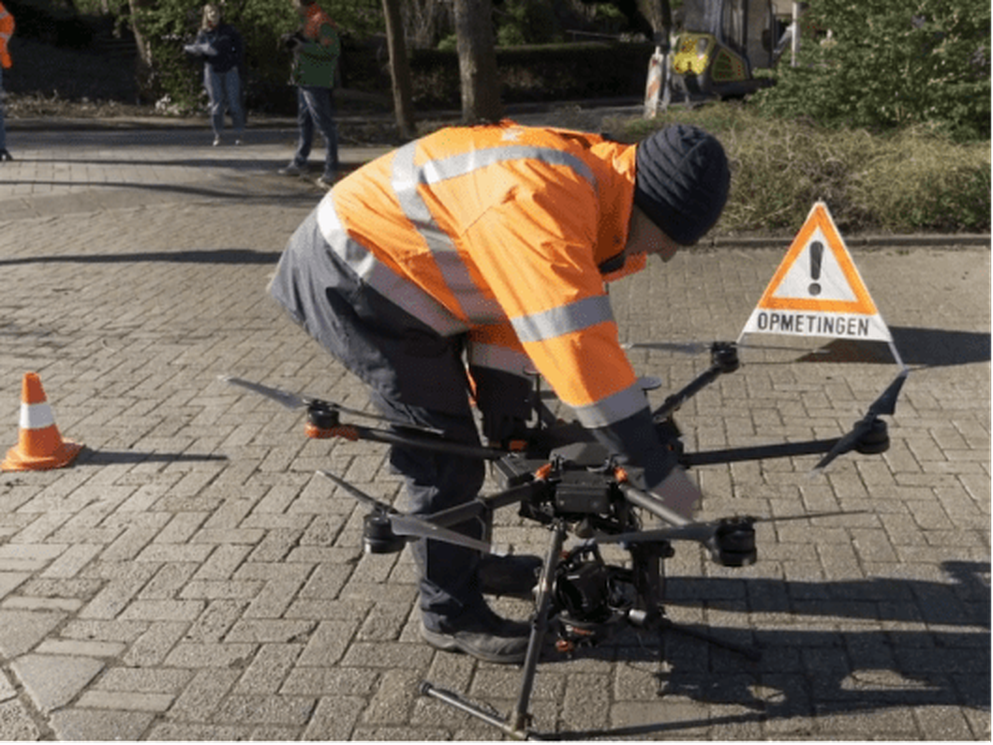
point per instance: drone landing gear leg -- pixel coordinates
(648, 562)
(539, 625)
(517, 724)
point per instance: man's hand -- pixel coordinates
(498, 427)
(503, 399)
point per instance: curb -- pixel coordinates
(81, 124)
(263, 121)
(950, 241)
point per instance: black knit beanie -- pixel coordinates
(681, 181)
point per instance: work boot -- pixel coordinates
(515, 576)
(481, 633)
(327, 182)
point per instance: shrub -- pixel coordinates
(538, 73)
(171, 23)
(892, 63)
(51, 23)
(524, 22)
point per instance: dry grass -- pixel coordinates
(911, 181)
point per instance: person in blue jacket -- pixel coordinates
(221, 47)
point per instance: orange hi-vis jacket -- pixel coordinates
(6, 31)
(501, 232)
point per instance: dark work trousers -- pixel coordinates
(315, 110)
(416, 376)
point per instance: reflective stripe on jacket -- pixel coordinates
(499, 231)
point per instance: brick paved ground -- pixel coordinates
(191, 578)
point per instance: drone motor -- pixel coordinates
(322, 416)
(876, 440)
(733, 543)
(378, 536)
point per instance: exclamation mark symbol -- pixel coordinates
(816, 256)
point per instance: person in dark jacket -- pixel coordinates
(221, 47)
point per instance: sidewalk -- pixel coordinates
(59, 171)
(191, 578)
(269, 144)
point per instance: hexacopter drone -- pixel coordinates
(561, 478)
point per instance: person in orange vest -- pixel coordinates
(457, 262)
(6, 31)
(316, 48)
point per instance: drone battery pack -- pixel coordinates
(583, 493)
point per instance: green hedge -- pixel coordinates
(51, 23)
(528, 73)
(892, 64)
(538, 73)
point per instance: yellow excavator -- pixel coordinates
(718, 46)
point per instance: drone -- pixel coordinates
(560, 477)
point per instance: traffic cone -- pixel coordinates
(40, 446)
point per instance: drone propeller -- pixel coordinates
(285, 398)
(667, 346)
(885, 404)
(366, 499)
(407, 525)
(293, 401)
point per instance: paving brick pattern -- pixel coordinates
(191, 578)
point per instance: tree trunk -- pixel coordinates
(477, 62)
(143, 65)
(659, 15)
(399, 70)
(426, 22)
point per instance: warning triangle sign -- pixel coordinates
(817, 291)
